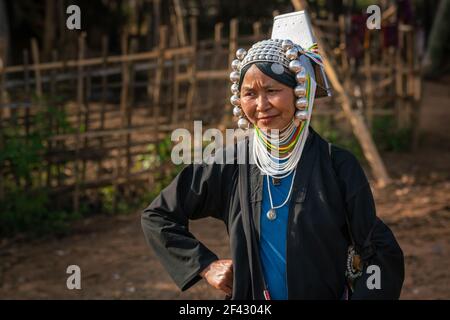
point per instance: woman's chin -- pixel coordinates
(267, 123)
(270, 123)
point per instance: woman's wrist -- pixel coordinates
(206, 269)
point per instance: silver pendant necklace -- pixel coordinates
(272, 213)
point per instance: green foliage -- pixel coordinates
(27, 206)
(25, 155)
(331, 133)
(386, 135)
(390, 138)
(32, 213)
(108, 194)
(114, 202)
(158, 158)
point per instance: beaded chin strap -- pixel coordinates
(283, 54)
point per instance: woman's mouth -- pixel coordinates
(266, 120)
(267, 117)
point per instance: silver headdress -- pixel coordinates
(305, 63)
(283, 54)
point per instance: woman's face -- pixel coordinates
(267, 103)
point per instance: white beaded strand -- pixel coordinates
(270, 164)
(288, 196)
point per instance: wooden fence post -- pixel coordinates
(38, 87)
(257, 30)
(2, 143)
(176, 89)
(79, 110)
(37, 71)
(192, 72)
(27, 90)
(104, 91)
(125, 71)
(51, 100)
(181, 32)
(157, 87)
(215, 60)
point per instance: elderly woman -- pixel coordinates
(299, 212)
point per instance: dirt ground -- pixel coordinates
(116, 263)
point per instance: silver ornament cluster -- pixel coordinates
(235, 99)
(353, 270)
(284, 52)
(270, 50)
(301, 103)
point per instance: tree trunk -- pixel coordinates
(49, 28)
(4, 33)
(435, 57)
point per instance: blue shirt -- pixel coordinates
(273, 235)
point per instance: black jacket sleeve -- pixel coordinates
(374, 240)
(195, 193)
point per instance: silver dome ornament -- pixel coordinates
(300, 90)
(235, 101)
(301, 115)
(295, 66)
(235, 64)
(237, 112)
(271, 214)
(287, 44)
(292, 54)
(301, 103)
(300, 76)
(240, 53)
(243, 123)
(234, 76)
(234, 88)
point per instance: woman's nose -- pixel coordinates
(262, 103)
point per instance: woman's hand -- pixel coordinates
(219, 274)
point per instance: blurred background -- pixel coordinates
(86, 117)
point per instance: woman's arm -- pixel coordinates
(379, 250)
(195, 193)
(377, 244)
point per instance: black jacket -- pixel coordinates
(325, 190)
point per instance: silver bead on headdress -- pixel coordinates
(235, 99)
(282, 52)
